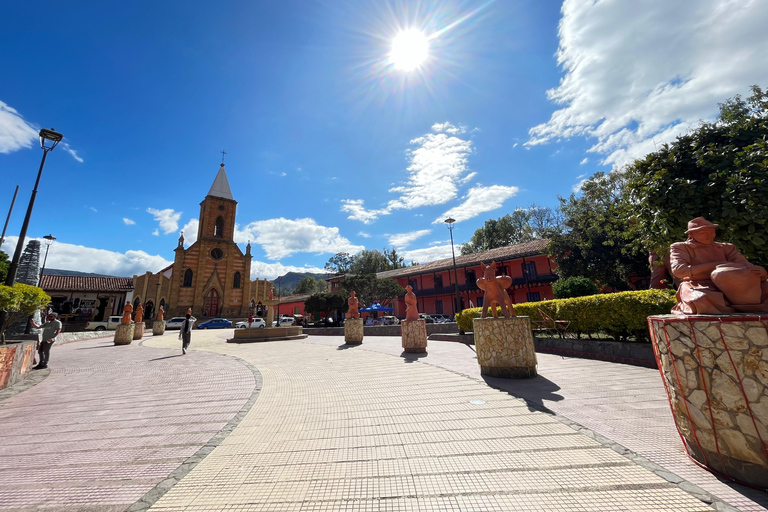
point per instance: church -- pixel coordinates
(211, 276)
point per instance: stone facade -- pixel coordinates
(158, 328)
(138, 330)
(414, 336)
(353, 331)
(505, 347)
(715, 369)
(124, 334)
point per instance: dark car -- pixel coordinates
(216, 323)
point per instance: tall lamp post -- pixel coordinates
(457, 304)
(48, 140)
(49, 239)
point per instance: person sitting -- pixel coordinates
(716, 278)
(369, 321)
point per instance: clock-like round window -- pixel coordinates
(217, 253)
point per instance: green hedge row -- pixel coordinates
(619, 315)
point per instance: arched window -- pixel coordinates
(187, 278)
(236, 282)
(218, 228)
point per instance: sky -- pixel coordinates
(334, 141)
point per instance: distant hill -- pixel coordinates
(59, 272)
(289, 281)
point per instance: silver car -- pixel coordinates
(258, 323)
(175, 322)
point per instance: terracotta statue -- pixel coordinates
(160, 313)
(717, 278)
(271, 293)
(189, 311)
(139, 314)
(127, 310)
(495, 288)
(353, 303)
(411, 311)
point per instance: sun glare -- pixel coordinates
(409, 50)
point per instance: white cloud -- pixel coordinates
(402, 240)
(584, 161)
(639, 70)
(168, 219)
(190, 231)
(438, 164)
(282, 237)
(428, 254)
(156, 232)
(15, 132)
(364, 234)
(66, 147)
(93, 209)
(479, 200)
(263, 270)
(576, 188)
(128, 222)
(99, 261)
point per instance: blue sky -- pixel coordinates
(329, 147)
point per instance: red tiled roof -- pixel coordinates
(294, 298)
(499, 254)
(86, 284)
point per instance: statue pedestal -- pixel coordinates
(505, 347)
(414, 336)
(124, 334)
(138, 330)
(353, 331)
(158, 327)
(270, 311)
(716, 377)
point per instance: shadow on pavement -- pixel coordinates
(345, 346)
(534, 391)
(166, 357)
(97, 346)
(409, 357)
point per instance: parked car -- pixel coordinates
(389, 320)
(427, 318)
(175, 322)
(258, 323)
(440, 319)
(216, 323)
(110, 324)
(284, 321)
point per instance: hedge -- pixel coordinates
(617, 314)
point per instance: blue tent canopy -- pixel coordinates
(376, 307)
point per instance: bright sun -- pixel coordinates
(409, 50)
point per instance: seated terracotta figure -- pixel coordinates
(353, 303)
(139, 314)
(411, 312)
(716, 278)
(127, 310)
(495, 288)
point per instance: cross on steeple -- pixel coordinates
(223, 153)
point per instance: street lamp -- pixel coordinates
(48, 140)
(49, 239)
(457, 305)
(279, 280)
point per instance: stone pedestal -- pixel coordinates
(505, 347)
(414, 335)
(158, 327)
(138, 330)
(353, 331)
(715, 369)
(270, 311)
(124, 334)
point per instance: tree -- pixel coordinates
(369, 262)
(394, 260)
(369, 288)
(306, 285)
(4, 264)
(20, 301)
(326, 303)
(507, 230)
(544, 221)
(576, 286)
(339, 263)
(718, 171)
(599, 238)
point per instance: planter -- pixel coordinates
(124, 334)
(716, 375)
(414, 337)
(505, 347)
(158, 328)
(16, 359)
(353, 331)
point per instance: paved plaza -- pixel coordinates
(317, 425)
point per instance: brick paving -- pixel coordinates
(337, 428)
(110, 423)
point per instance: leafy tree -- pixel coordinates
(718, 171)
(4, 264)
(339, 263)
(507, 230)
(576, 286)
(369, 262)
(369, 288)
(306, 285)
(321, 286)
(326, 303)
(544, 221)
(394, 260)
(599, 238)
(20, 301)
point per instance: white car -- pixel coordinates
(175, 322)
(389, 320)
(258, 323)
(284, 321)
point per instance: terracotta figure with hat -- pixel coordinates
(717, 278)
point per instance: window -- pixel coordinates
(534, 297)
(218, 228)
(187, 278)
(471, 280)
(501, 270)
(438, 285)
(439, 306)
(236, 282)
(217, 253)
(529, 269)
(412, 282)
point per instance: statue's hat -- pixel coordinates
(700, 223)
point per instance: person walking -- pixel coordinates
(51, 328)
(185, 334)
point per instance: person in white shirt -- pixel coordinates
(185, 334)
(51, 328)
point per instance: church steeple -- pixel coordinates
(220, 187)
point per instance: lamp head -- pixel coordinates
(49, 138)
(449, 221)
(49, 239)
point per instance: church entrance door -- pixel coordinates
(211, 303)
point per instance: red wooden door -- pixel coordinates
(211, 303)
